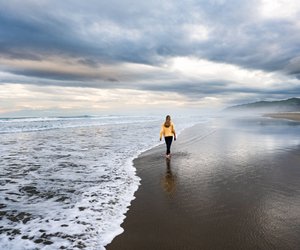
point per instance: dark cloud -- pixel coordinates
(89, 62)
(196, 90)
(56, 29)
(235, 35)
(147, 32)
(54, 75)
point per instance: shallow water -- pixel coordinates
(243, 180)
(230, 184)
(67, 182)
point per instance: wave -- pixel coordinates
(33, 124)
(66, 182)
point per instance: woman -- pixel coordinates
(167, 130)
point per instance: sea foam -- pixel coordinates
(67, 182)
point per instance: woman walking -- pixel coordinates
(168, 130)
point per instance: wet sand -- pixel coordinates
(227, 186)
(294, 116)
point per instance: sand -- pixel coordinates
(233, 185)
(294, 116)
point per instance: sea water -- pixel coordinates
(66, 182)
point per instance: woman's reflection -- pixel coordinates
(169, 180)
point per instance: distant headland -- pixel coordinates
(288, 105)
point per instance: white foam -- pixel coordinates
(17, 125)
(76, 182)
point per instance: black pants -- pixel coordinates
(168, 140)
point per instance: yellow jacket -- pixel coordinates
(170, 131)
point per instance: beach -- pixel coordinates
(230, 184)
(294, 116)
(66, 182)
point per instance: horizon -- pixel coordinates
(129, 57)
(44, 114)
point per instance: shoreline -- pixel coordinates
(214, 193)
(292, 116)
(158, 147)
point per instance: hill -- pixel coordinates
(288, 105)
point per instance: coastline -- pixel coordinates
(215, 193)
(293, 116)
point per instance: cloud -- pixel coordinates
(193, 49)
(234, 32)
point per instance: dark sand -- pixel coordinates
(234, 185)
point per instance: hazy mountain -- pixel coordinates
(289, 105)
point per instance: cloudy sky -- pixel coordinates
(98, 56)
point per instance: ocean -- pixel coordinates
(66, 182)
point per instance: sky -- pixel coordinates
(76, 57)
